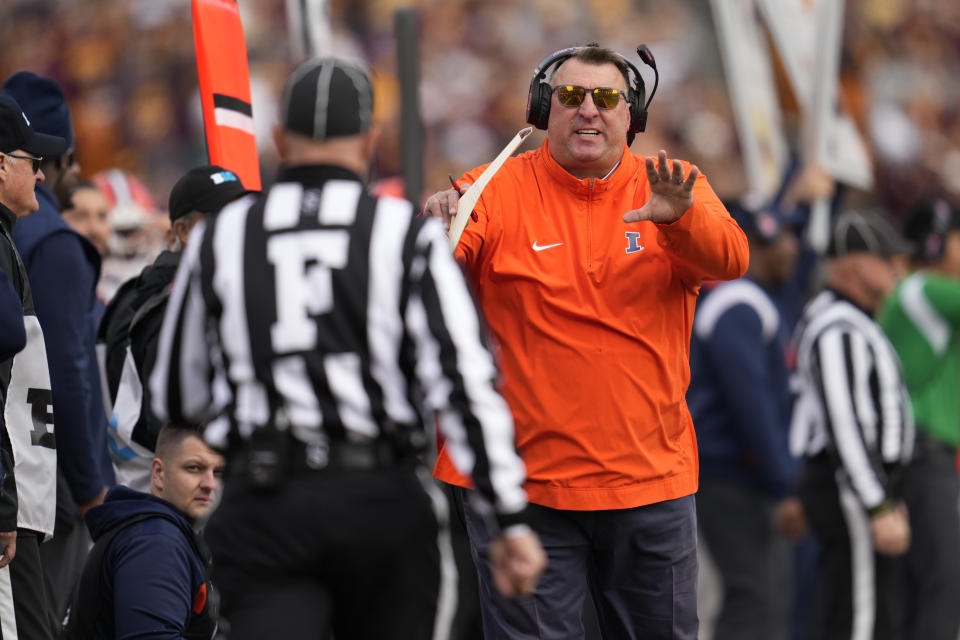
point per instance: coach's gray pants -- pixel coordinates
(640, 565)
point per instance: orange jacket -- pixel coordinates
(593, 326)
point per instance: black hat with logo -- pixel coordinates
(207, 189)
(17, 133)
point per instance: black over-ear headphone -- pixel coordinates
(934, 241)
(538, 99)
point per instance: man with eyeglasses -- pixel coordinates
(587, 261)
(28, 499)
(63, 268)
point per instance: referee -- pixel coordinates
(331, 326)
(853, 423)
(922, 320)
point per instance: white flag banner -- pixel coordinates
(844, 154)
(753, 94)
(308, 22)
(808, 35)
(793, 25)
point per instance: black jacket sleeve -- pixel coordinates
(8, 491)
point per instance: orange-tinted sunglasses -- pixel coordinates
(571, 95)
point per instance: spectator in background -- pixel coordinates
(739, 398)
(922, 320)
(898, 65)
(803, 185)
(137, 229)
(28, 505)
(63, 268)
(147, 573)
(87, 211)
(853, 424)
(132, 322)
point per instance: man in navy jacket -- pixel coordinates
(63, 268)
(146, 574)
(740, 401)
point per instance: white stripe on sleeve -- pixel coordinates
(384, 322)
(844, 419)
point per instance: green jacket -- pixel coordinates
(922, 320)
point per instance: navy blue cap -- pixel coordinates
(762, 224)
(43, 101)
(16, 132)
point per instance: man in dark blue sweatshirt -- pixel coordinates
(740, 401)
(146, 574)
(63, 268)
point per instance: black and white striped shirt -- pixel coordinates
(341, 314)
(852, 400)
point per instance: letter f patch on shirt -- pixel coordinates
(633, 242)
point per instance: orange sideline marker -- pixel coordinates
(224, 77)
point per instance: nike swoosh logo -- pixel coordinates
(541, 247)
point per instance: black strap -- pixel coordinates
(113, 333)
(143, 336)
(23, 279)
(149, 306)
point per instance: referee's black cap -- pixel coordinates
(327, 97)
(866, 231)
(207, 189)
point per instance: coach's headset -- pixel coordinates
(933, 239)
(538, 99)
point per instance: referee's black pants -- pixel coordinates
(858, 595)
(364, 554)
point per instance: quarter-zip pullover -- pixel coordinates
(593, 318)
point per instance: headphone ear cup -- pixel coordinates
(933, 246)
(636, 113)
(637, 96)
(538, 104)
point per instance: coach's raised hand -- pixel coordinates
(671, 194)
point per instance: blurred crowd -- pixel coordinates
(129, 73)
